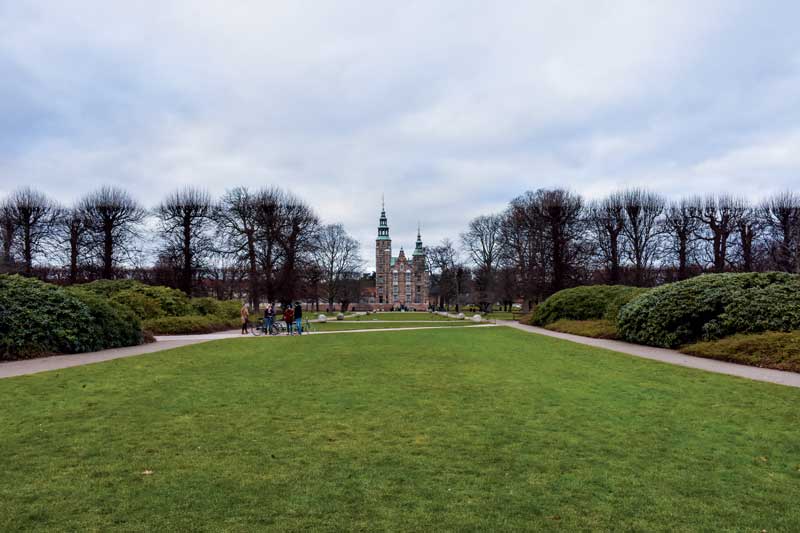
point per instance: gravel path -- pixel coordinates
(673, 357)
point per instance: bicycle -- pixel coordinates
(307, 326)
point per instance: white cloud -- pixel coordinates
(449, 108)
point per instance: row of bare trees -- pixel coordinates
(551, 239)
(266, 243)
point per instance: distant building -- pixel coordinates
(398, 280)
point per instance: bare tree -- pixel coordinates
(237, 228)
(445, 264)
(73, 240)
(681, 226)
(483, 241)
(114, 219)
(268, 205)
(607, 223)
(525, 248)
(296, 232)
(642, 229)
(749, 228)
(34, 216)
(185, 219)
(8, 230)
(719, 217)
(560, 214)
(781, 216)
(337, 255)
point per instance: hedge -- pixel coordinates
(182, 325)
(38, 318)
(592, 302)
(147, 301)
(778, 350)
(712, 306)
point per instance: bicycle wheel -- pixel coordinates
(256, 330)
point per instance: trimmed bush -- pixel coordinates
(212, 306)
(778, 350)
(147, 301)
(599, 329)
(593, 302)
(712, 306)
(182, 325)
(38, 318)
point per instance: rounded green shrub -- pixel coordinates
(138, 302)
(182, 325)
(147, 301)
(38, 318)
(712, 306)
(591, 302)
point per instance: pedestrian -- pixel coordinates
(269, 318)
(298, 317)
(245, 314)
(288, 317)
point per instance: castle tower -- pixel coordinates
(383, 259)
(420, 281)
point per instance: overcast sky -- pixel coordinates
(451, 108)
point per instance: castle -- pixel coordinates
(399, 282)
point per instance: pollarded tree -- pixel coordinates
(607, 224)
(681, 226)
(483, 243)
(642, 229)
(73, 240)
(560, 214)
(33, 215)
(749, 229)
(185, 219)
(337, 255)
(719, 217)
(297, 227)
(237, 229)
(8, 230)
(781, 216)
(115, 220)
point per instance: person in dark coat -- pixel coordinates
(298, 317)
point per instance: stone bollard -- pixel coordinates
(322, 318)
(340, 316)
(460, 316)
(477, 318)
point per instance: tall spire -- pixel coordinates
(383, 224)
(419, 250)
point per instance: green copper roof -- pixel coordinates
(419, 250)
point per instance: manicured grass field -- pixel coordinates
(418, 315)
(346, 325)
(486, 429)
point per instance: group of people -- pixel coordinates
(293, 316)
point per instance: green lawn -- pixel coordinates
(346, 325)
(486, 429)
(418, 315)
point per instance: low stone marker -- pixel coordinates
(322, 318)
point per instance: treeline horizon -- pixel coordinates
(270, 245)
(551, 239)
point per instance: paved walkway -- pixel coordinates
(57, 362)
(673, 357)
(165, 342)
